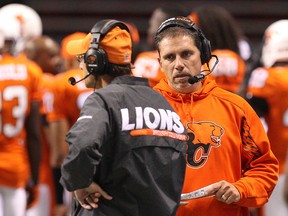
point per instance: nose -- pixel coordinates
(179, 63)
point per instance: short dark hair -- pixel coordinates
(116, 70)
(176, 31)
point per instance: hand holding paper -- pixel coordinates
(209, 190)
(222, 190)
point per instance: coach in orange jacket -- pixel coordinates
(228, 146)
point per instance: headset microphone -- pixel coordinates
(73, 82)
(199, 77)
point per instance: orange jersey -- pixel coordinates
(271, 84)
(226, 142)
(230, 71)
(69, 99)
(147, 65)
(19, 85)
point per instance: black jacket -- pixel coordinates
(128, 140)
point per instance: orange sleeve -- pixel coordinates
(261, 175)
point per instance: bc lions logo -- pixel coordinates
(203, 136)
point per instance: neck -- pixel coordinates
(102, 81)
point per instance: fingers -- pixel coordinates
(223, 197)
(92, 201)
(89, 202)
(228, 199)
(212, 189)
(104, 194)
(89, 197)
(227, 193)
(85, 204)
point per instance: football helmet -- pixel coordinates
(275, 43)
(9, 30)
(30, 21)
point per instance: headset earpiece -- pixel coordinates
(96, 59)
(187, 23)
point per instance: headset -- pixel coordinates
(187, 23)
(96, 59)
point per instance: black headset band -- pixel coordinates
(181, 22)
(187, 23)
(96, 59)
(101, 28)
(104, 26)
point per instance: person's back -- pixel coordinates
(134, 166)
(267, 92)
(19, 82)
(128, 138)
(19, 137)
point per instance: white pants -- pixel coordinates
(12, 201)
(276, 205)
(43, 206)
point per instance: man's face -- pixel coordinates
(180, 59)
(49, 57)
(90, 80)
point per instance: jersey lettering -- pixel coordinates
(227, 67)
(258, 78)
(10, 94)
(13, 72)
(151, 118)
(146, 67)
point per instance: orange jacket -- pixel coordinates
(271, 84)
(227, 142)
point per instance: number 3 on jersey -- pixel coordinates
(13, 102)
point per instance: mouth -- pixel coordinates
(182, 77)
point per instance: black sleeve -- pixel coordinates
(33, 124)
(59, 190)
(260, 105)
(85, 139)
